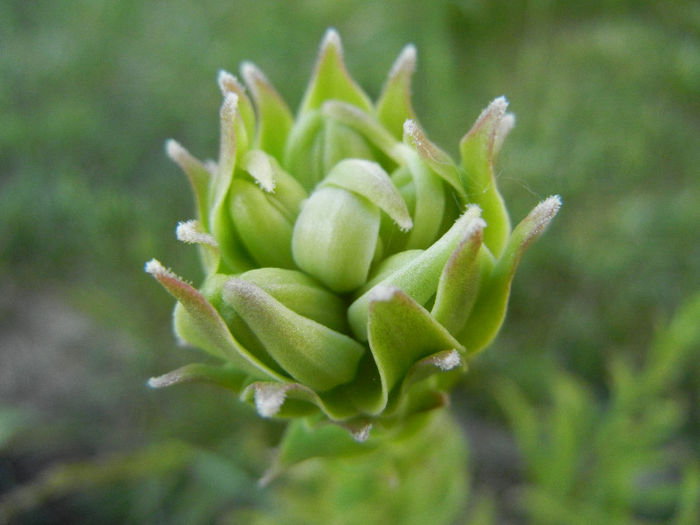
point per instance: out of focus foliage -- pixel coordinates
(608, 116)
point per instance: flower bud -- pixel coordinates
(352, 267)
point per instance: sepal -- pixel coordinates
(419, 277)
(394, 104)
(204, 327)
(490, 307)
(331, 80)
(310, 352)
(274, 116)
(479, 181)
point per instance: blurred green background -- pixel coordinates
(604, 309)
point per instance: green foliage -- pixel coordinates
(621, 459)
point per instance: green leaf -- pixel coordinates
(220, 224)
(225, 376)
(335, 238)
(197, 174)
(401, 332)
(228, 83)
(394, 104)
(311, 353)
(439, 161)
(205, 328)
(477, 152)
(274, 117)
(419, 277)
(429, 204)
(303, 441)
(490, 307)
(292, 400)
(368, 126)
(331, 80)
(459, 282)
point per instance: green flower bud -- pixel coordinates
(352, 267)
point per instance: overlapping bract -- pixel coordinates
(352, 266)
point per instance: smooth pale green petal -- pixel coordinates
(331, 79)
(477, 152)
(311, 353)
(367, 125)
(369, 180)
(263, 229)
(228, 83)
(335, 237)
(197, 174)
(490, 308)
(224, 376)
(394, 104)
(208, 329)
(439, 161)
(401, 332)
(418, 278)
(274, 117)
(459, 282)
(301, 294)
(285, 400)
(429, 207)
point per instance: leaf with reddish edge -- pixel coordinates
(209, 324)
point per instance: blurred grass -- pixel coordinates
(608, 116)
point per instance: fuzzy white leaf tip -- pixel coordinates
(331, 39)
(156, 269)
(361, 434)
(269, 399)
(228, 83)
(191, 232)
(175, 151)
(406, 61)
(447, 361)
(411, 128)
(543, 213)
(165, 380)
(252, 75)
(505, 126)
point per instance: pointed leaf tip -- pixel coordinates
(252, 75)
(228, 83)
(156, 269)
(191, 232)
(405, 63)
(165, 380)
(447, 361)
(542, 214)
(331, 39)
(361, 434)
(269, 399)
